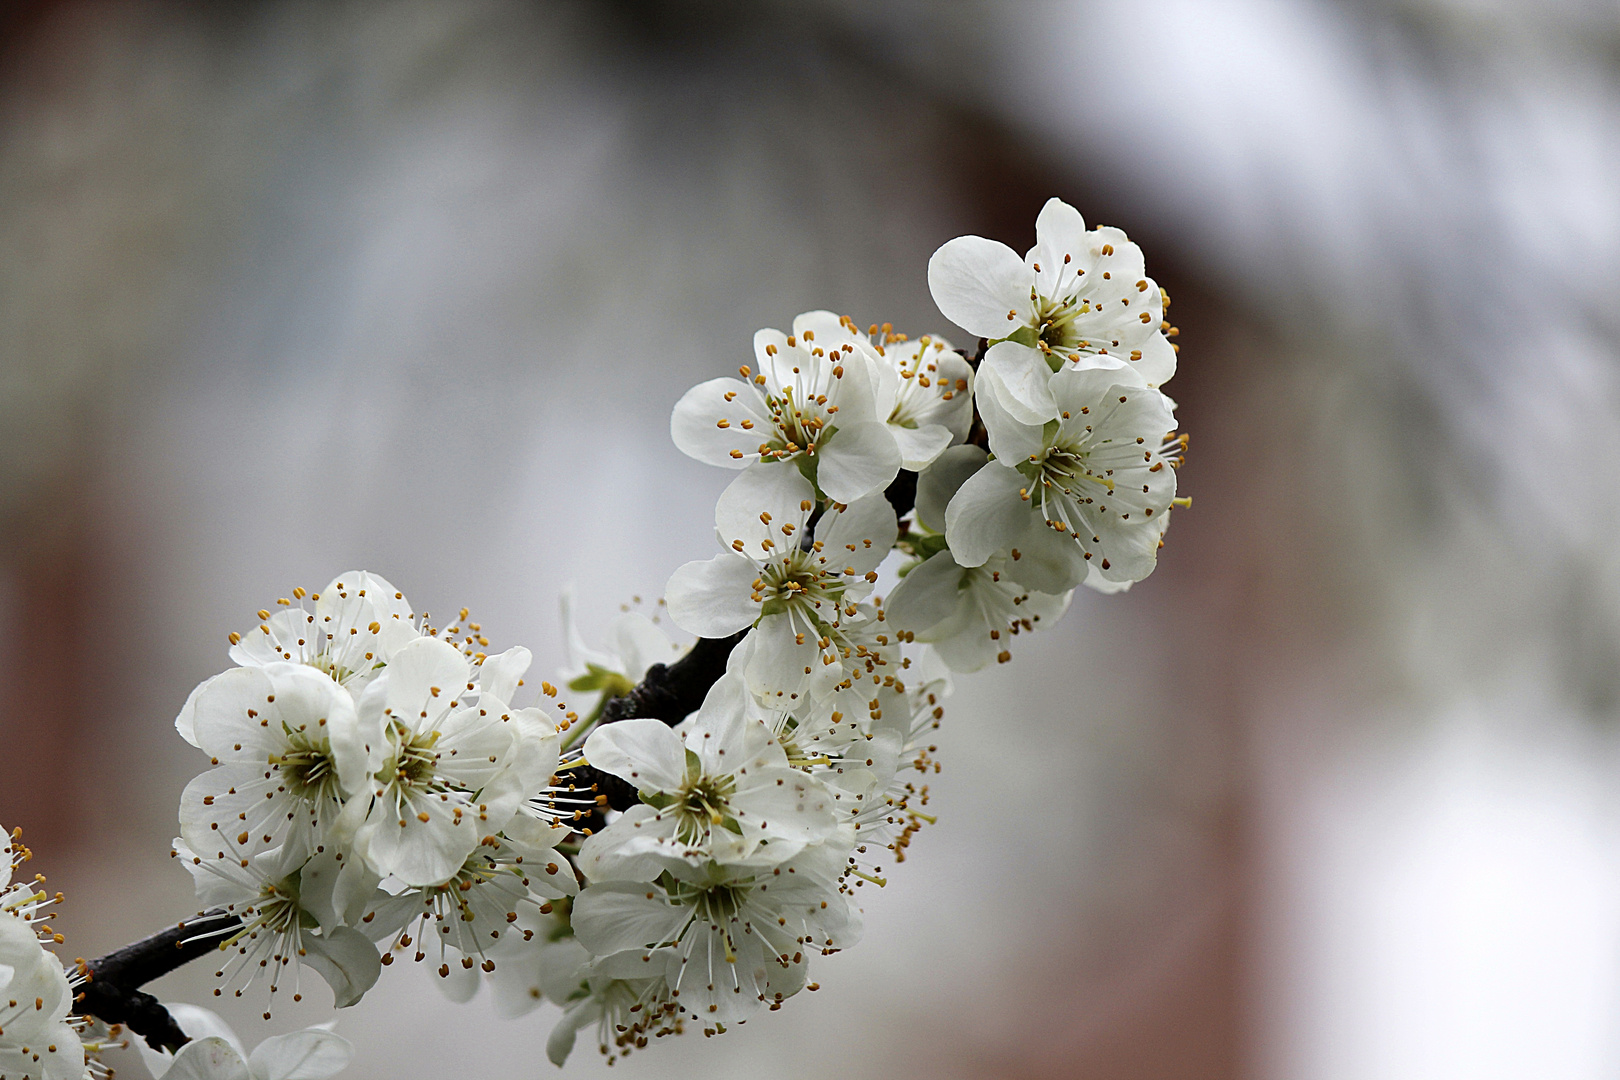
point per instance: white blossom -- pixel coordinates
(216, 1053)
(807, 403)
(1084, 488)
(279, 925)
(37, 1038)
(796, 594)
(463, 921)
(289, 749)
(720, 787)
(1074, 297)
(625, 996)
(729, 938)
(358, 622)
(457, 764)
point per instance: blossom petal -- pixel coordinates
(424, 680)
(1060, 232)
(939, 483)
(311, 1054)
(858, 459)
(1018, 375)
(346, 960)
(642, 751)
(757, 504)
(975, 283)
(1011, 439)
(921, 445)
(988, 514)
(860, 535)
(927, 596)
(499, 674)
(713, 597)
(210, 1058)
(613, 916)
(696, 424)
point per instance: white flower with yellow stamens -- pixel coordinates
(729, 938)
(1090, 487)
(457, 764)
(357, 623)
(279, 925)
(465, 921)
(809, 404)
(718, 787)
(38, 1037)
(1075, 297)
(797, 588)
(289, 749)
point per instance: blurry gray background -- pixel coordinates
(288, 289)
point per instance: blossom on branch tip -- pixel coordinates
(809, 404)
(1076, 296)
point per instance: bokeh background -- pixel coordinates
(288, 289)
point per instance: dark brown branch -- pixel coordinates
(112, 992)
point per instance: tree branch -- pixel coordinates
(111, 990)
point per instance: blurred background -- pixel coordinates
(289, 289)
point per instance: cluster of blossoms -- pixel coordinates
(375, 791)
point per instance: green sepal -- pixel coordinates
(1026, 336)
(597, 677)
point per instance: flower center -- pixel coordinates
(703, 804)
(307, 768)
(415, 761)
(796, 579)
(800, 425)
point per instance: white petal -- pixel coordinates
(1049, 561)
(756, 505)
(920, 446)
(311, 1054)
(939, 483)
(499, 674)
(695, 423)
(1019, 377)
(644, 752)
(858, 459)
(975, 283)
(617, 915)
(186, 722)
(927, 596)
(211, 1058)
(860, 535)
(713, 597)
(1059, 231)
(987, 515)
(1012, 440)
(346, 960)
(425, 677)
